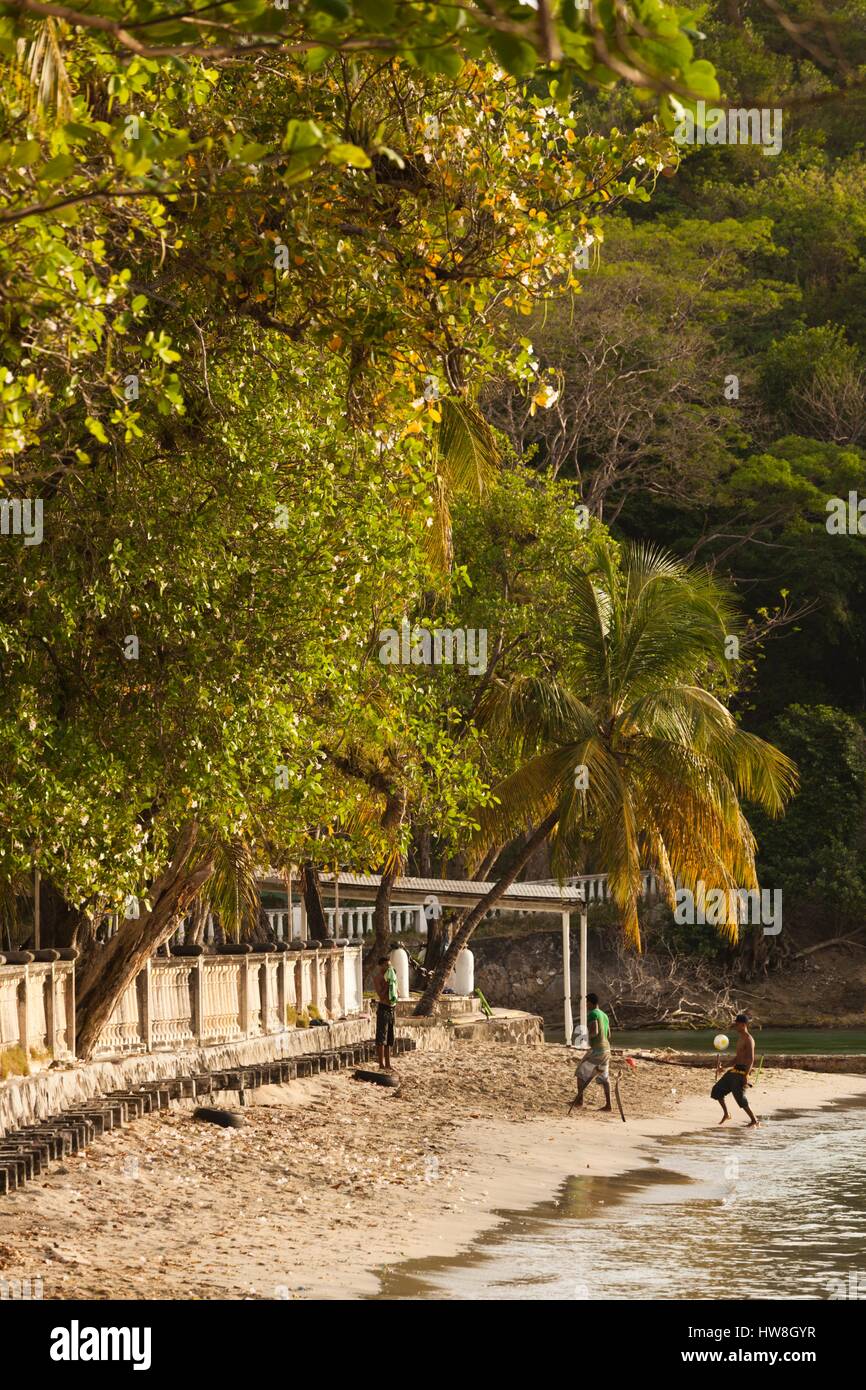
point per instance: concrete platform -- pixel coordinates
(449, 1006)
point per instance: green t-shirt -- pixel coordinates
(600, 1044)
(391, 982)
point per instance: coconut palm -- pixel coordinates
(631, 751)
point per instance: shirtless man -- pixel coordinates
(735, 1080)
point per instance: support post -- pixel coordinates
(69, 986)
(196, 997)
(37, 916)
(23, 1003)
(51, 1030)
(566, 977)
(583, 954)
(282, 986)
(265, 1001)
(359, 977)
(144, 985)
(244, 996)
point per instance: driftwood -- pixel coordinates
(834, 941)
(650, 992)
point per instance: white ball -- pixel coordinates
(720, 1042)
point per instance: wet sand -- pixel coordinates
(331, 1179)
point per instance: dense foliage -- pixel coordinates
(324, 317)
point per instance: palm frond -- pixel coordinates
(232, 889)
(531, 712)
(466, 449)
(42, 60)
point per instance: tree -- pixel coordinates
(243, 312)
(815, 855)
(637, 365)
(633, 754)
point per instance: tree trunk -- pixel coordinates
(380, 944)
(382, 910)
(425, 855)
(200, 910)
(109, 970)
(434, 989)
(392, 819)
(59, 924)
(438, 928)
(317, 927)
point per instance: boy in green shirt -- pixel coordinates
(596, 1064)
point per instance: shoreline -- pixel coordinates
(546, 1156)
(331, 1181)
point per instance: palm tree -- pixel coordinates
(466, 462)
(631, 751)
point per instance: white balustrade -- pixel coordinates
(123, 1032)
(171, 1010)
(242, 996)
(13, 981)
(37, 1011)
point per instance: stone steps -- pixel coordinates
(27, 1152)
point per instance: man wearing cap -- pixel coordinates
(596, 1064)
(735, 1080)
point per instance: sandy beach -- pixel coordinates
(330, 1179)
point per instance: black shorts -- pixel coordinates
(384, 1025)
(731, 1083)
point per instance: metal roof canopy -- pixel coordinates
(455, 892)
(448, 892)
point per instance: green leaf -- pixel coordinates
(352, 155)
(96, 429)
(378, 13)
(516, 56)
(58, 168)
(337, 8)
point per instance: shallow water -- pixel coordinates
(778, 1212)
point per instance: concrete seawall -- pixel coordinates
(826, 1062)
(25, 1100)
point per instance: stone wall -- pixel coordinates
(27, 1099)
(525, 972)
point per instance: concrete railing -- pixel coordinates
(37, 1012)
(198, 1000)
(186, 1001)
(596, 888)
(350, 923)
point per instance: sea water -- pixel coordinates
(730, 1212)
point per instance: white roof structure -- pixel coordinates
(448, 892)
